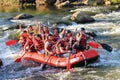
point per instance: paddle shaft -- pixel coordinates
(83, 58)
(19, 59)
(68, 63)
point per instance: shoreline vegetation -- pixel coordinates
(60, 3)
(7, 5)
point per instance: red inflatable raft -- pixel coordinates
(77, 59)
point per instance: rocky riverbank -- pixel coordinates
(61, 3)
(7, 3)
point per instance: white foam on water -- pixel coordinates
(108, 59)
(23, 21)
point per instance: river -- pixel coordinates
(107, 29)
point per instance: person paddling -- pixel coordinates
(49, 45)
(23, 37)
(39, 44)
(81, 40)
(29, 46)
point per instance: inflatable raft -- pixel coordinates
(77, 59)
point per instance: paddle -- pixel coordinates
(83, 57)
(19, 59)
(106, 47)
(10, 42)
(44, 65)
(68, 63)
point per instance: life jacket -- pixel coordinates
(39, 44)
(57, 50)
(22, 42)
(68, 39)
(55, 37)
(31, 45)
(30, 42)
(50, 46)
(45, 32)
(83, 40)
(23, 38)
(24, 35)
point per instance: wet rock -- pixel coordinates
(21, 16)
(92, 2)
(12, 27)
(107, 2)
(62, 3)
(101, 15)
(1, 63)
(44, 2)
(81, 17)
(66, 18)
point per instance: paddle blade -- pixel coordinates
(10, 42)
(18, 60)
(68, 65)
(93, 44)
(106, 47)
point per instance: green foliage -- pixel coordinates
(8, 2)
(115, 1)
(95, 4)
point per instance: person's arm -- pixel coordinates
(62, 50)
(25, 45)
(46, 45)
(36, 44)
(20, 27)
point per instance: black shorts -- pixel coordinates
(77, 47)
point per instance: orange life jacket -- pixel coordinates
(29, 42)
(50, 46)
(83, 40)
(39, 44)
(55, 37)
(45, 32)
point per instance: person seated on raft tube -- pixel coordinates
(70, 35)
(23, 37)
(81, 40)
(39, 44)
(49, 45)
(29, 45)
(62, 48)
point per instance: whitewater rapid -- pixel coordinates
(107, 29)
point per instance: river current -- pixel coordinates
(107, 28)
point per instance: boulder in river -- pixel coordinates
(81, 17)
(22, 16)
(62, 3)
(1, 63)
